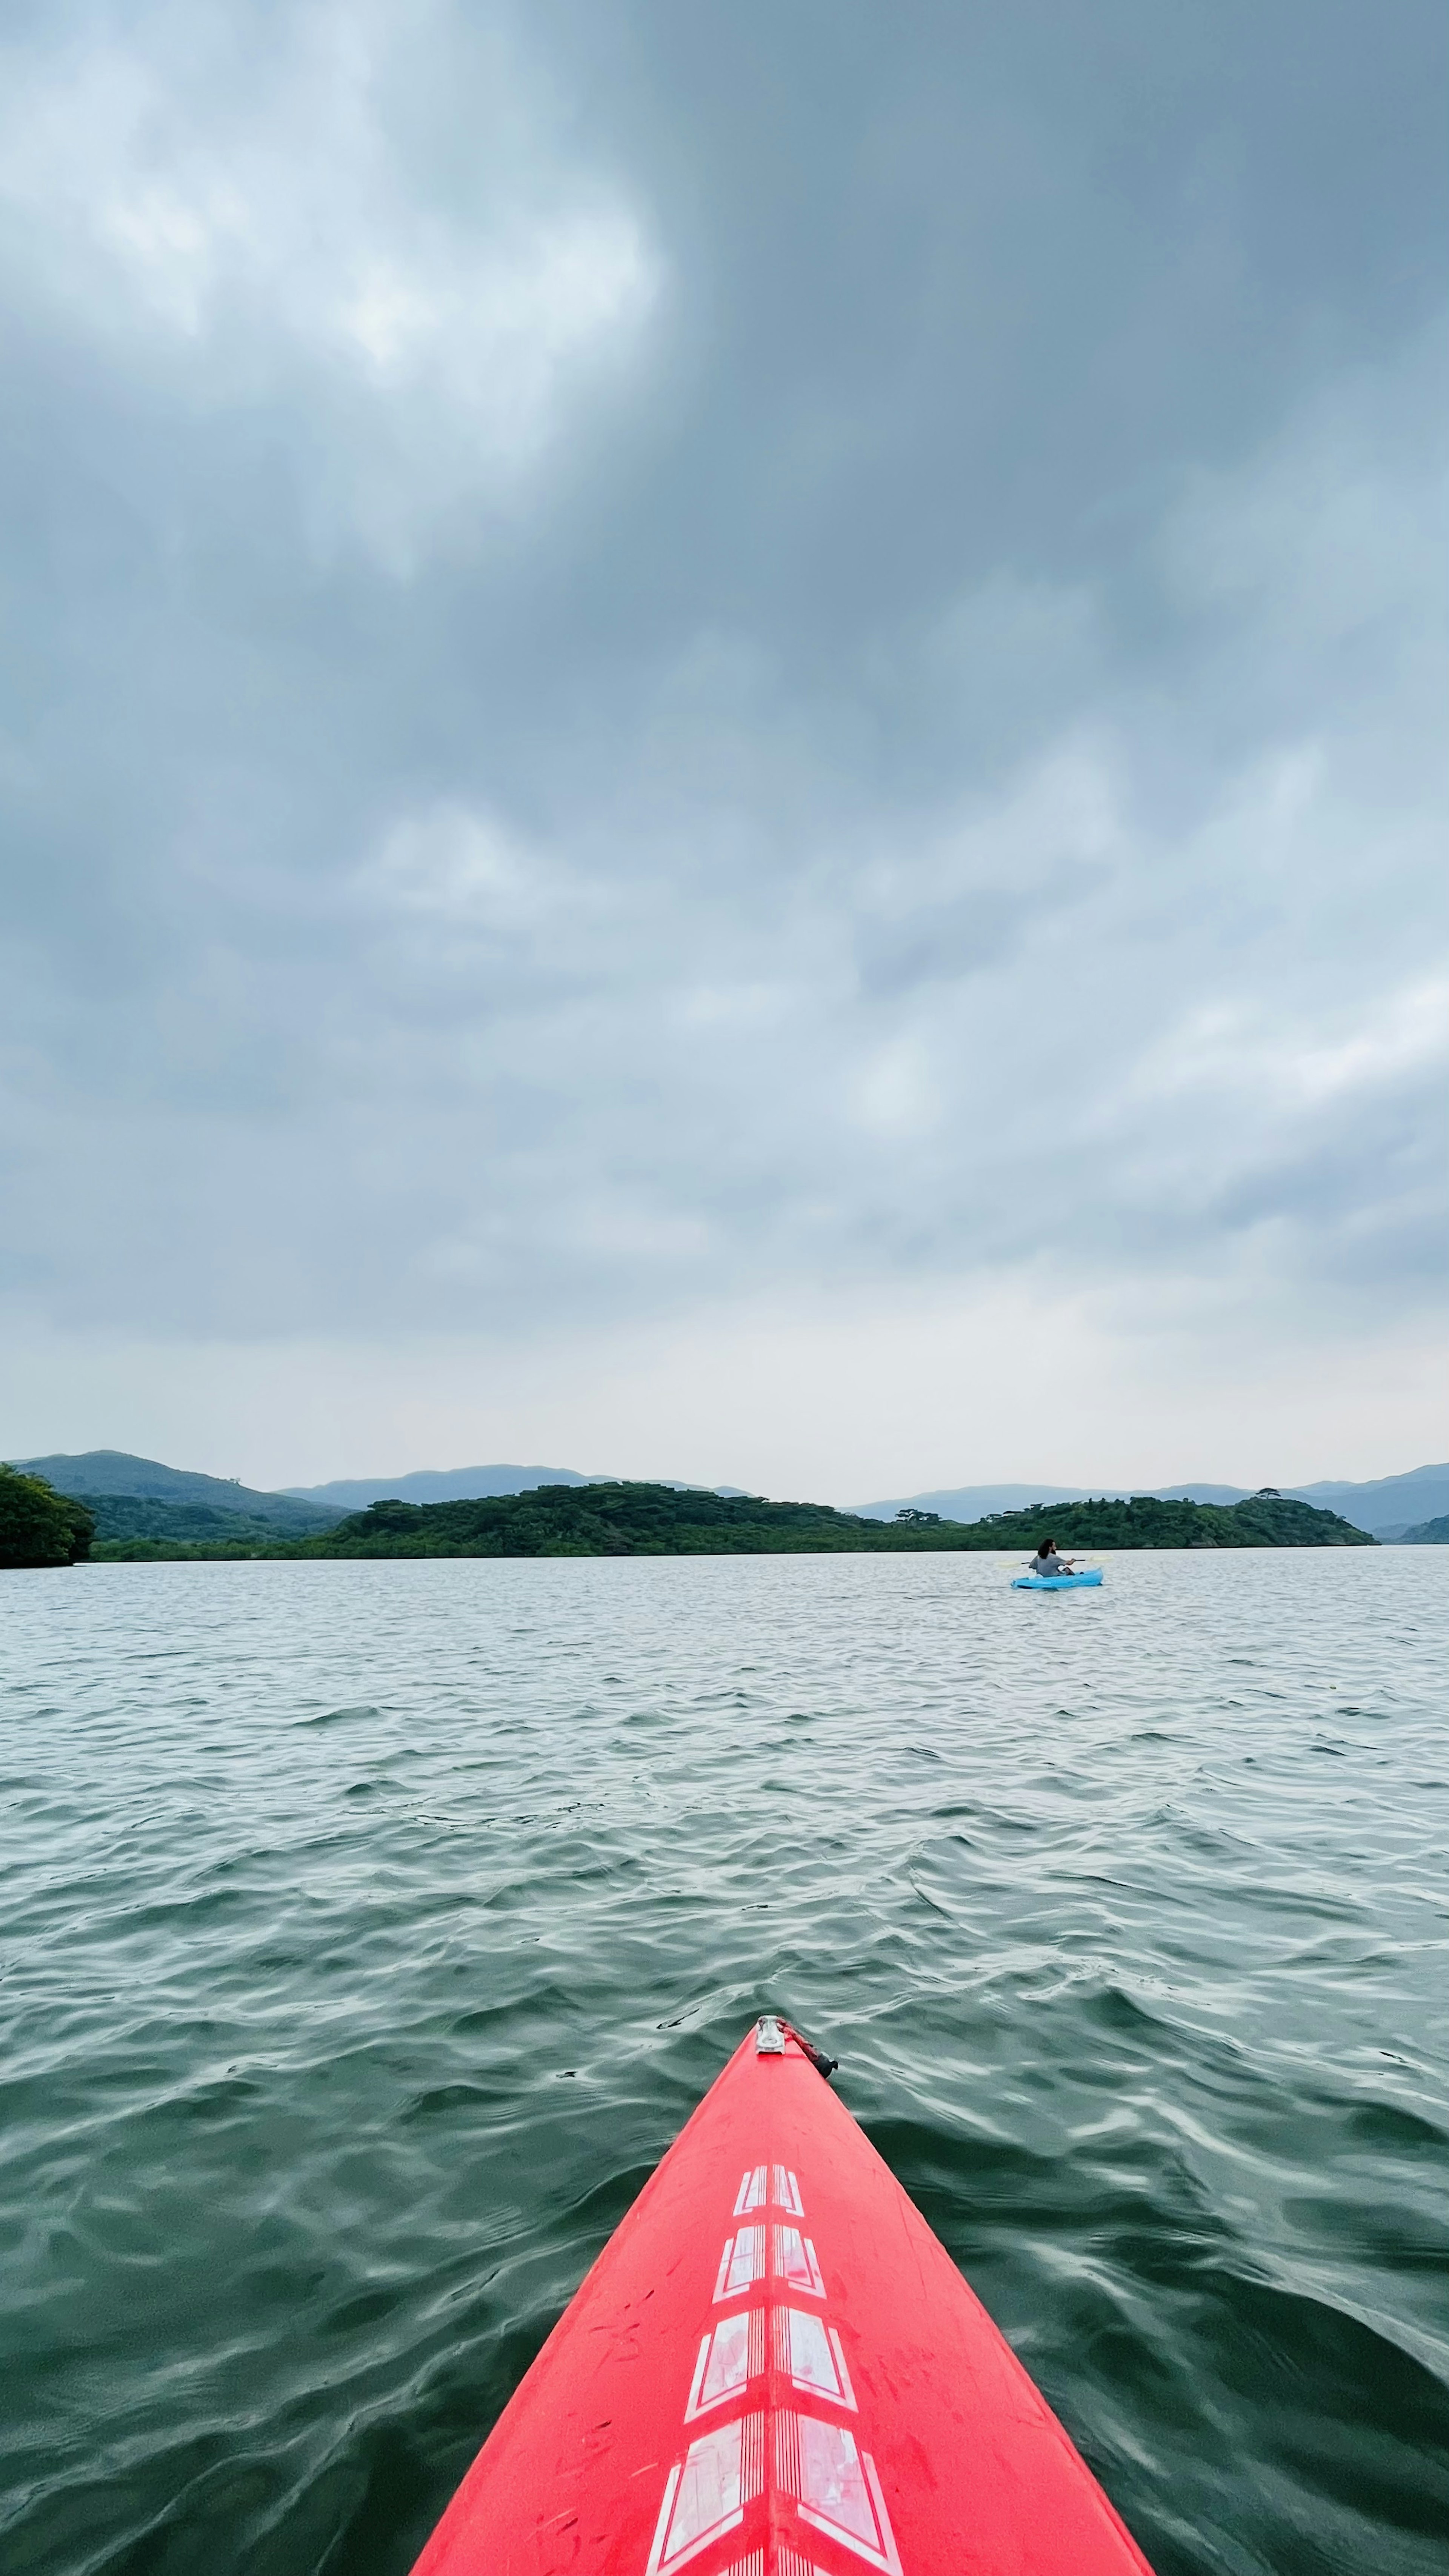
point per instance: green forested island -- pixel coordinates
(608, 1519)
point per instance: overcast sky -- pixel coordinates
(723, 739)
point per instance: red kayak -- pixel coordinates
(775, 2369)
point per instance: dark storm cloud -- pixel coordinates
(654, 647)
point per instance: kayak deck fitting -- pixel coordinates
(775, 2369)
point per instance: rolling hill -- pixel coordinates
(141, 1498)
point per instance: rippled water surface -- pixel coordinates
(369, 1931)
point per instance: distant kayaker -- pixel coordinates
(1046, 1560)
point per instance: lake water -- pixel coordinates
(369, 1931)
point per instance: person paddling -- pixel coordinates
(1046, 1561)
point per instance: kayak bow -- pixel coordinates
(775, 2369)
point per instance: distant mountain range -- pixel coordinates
(1387, 1506)
(433, 1485)
(1390, 1506)
(467, 1485)
(141, 1498)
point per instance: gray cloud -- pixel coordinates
(652, 649)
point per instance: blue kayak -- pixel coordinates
(1055, 1582)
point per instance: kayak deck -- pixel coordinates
(1055, 1582)
(774, 2369)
